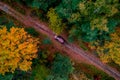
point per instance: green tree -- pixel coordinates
(32, 32)
(90, 17)
(40, 72)
(98, 12)
(61, 68)
(67, 7)
(6, 77)
(39, 4)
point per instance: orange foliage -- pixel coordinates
(17, 49)
(111, 49)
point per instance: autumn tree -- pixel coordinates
(17, 49)
(55, 21)
(110, 51)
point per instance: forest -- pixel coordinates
(28, 54)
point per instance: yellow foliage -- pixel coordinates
(83, 8)
(17, 49)
(54, 21)
(99, 23)
(79, 75)
(74, 17)
(112, 47)
(113, 11)
(98, 12)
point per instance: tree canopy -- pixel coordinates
(61, 68)
(55, 22)
(17, 49)
(111, 49)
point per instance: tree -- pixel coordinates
(17, 49)
(55, 21)
(67, 7)
(99, 15)
(43, 4)
(6, 77)
(90, 17)
(98, 12)
(61, 68)
(111, 49)
(39, 4)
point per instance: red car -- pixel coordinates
(59, 39)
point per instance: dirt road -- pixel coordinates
(67, 47)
